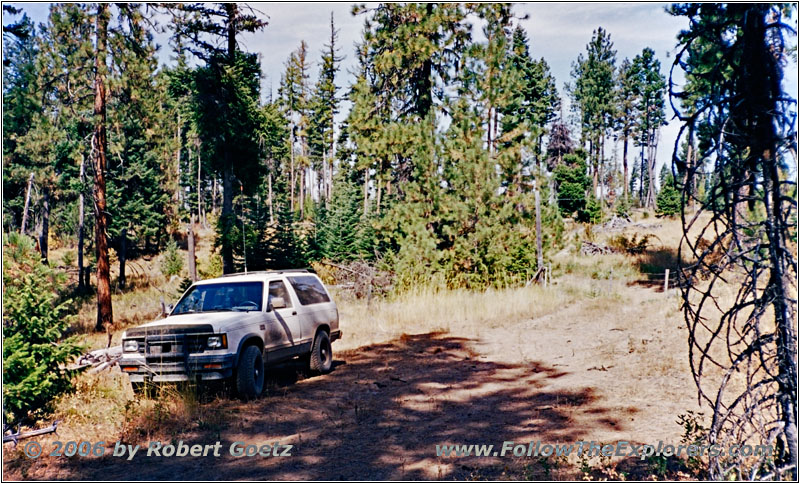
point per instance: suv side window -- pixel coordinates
(278, 289)
(309, 290)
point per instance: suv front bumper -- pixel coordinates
(192, 368)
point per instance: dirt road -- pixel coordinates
(605, 372)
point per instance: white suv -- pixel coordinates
(232, 327)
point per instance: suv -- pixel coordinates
(232, 327)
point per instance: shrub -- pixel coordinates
(35, 320)
(591, 212)
(172, 263)
(211, 268)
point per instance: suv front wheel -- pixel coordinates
(250, 373)
(321, 359)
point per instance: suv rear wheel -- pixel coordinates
(250, 373)
(321, 359)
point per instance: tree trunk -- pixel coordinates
(199, 190)
(104, 309)
(123, 257)
(291, 166)
(45, 235)
(366, 191)
(81, 285)
(191, 255)
(27, 204)
(178, 163)
(214, 196)
(539, 256)
(593, 165)
(227, 218)
(641, 177)
(269, 194)
(378, 196)
(651, 168)
(302, 193)
(625, 168)
(690, 175)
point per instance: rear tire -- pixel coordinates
(321, 360)
(250, 373)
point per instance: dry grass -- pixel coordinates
(458, 311)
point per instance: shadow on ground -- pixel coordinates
(379, 415)
(653, 263)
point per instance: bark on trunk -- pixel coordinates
(45, 235)
(366, 192)
(227, 219)
(199, 190)
(625, 168)
(191, 255)
(302, 193)
(539, 256)
(269, 188)
(123, 256)
(178, 162)
(104, 309)
(27, 204)
(81, 285)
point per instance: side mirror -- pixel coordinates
(277, 303)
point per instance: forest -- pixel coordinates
(431, 174)
(448, 160)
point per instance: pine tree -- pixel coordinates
(651, 87)
(593, 96)
(627, 113)
(324, 107)
(35, 322)
(227, 97)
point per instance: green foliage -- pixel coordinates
(35, 320)
(591, 212)
(572, 183)
(210, 268)
(172, 262)
(343, 233)
(668, 202)
(634, 244)
(694, 433)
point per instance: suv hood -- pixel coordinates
(223, 321)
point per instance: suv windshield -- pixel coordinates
(226, 296)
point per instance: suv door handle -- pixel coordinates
(294, 313)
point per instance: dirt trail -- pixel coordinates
(571, 375)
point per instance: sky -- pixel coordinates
(557, 31)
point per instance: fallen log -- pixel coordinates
(33, 433)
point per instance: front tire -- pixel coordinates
(250, 373)
(321, 360)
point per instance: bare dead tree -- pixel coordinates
(739, 249)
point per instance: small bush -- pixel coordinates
(591, 212)
(68, 259)
(634, 245)
(35, 320)
(211, 268)
(172, 264)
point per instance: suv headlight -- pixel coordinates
(130, 346)
(217, 342)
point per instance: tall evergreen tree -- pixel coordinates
(651, 89)
(592, 92)
(324, 107)
(227, 97)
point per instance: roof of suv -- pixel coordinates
(254, 275)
